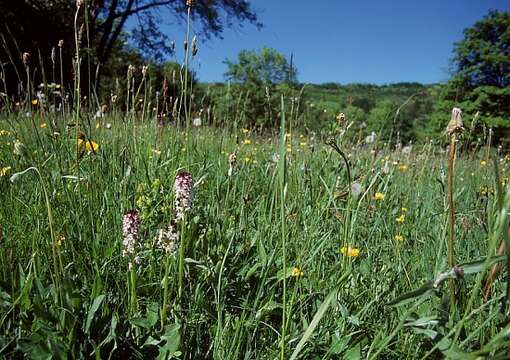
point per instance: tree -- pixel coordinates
(481, 78)
(267, 66)
(482, 58)
(260, 78)
(100, 27)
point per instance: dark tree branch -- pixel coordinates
(115, 34)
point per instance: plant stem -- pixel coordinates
(165, 292)
(451, 209)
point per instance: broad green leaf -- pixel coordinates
(315, 321)
(92, 312)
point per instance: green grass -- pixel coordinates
(74, 303)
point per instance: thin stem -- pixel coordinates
(165, 292)
(451, 208)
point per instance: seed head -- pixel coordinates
(232, 159)
(145, 68)
(130, 71)
(340, 118)
(26, 59)
(455, 125)
(194, 47)
(53, 55)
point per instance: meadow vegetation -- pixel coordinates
(257, 219)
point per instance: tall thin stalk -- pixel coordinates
(283, 225)
(62, 91)
(453, 129)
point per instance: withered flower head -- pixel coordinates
(455, 125)
(26, 59)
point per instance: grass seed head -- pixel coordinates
(26, 58)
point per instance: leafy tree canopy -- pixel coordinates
(37, 26)
(266, 66)
(483, 56)
(481, 80)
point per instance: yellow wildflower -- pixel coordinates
(402, 167)
(483, 163)
(400, 219)
(296, 272)
(379, 196)
(156, 151)
(404, 209)
(42, 125)
(90, 146)
(303, 143)
(349, 251)
(399, 237)
(4, 132)
(247, 160)
(247, 142)
(35, 101)
(98, 125)
(245, 131)
(4, 171)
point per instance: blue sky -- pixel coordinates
(366, 41)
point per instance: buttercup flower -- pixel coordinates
(89, 145)
(379, 196)
(349, 251)
(399, 237)
(400, 219)
(296, 272)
